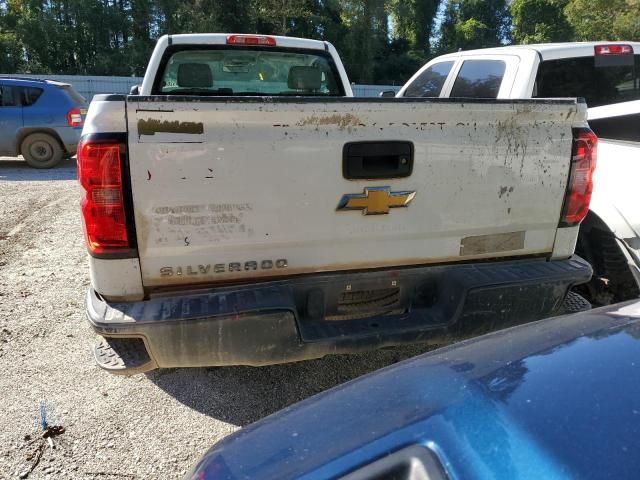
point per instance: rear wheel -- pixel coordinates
(41, 150)
(612, 280)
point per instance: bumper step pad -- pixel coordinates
(124, 356)
(574, 303)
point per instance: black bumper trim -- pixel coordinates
(275, 322)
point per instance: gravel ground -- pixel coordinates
(146, 426)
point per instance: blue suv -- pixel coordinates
(40, 120)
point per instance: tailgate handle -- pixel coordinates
(376, 160)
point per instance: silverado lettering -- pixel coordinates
(222, 268)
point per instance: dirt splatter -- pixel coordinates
(342, 121)
(505, 190)
(152, 126)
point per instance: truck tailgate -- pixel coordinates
(244, 188)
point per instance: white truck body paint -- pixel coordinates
(260, 180)
(615, 110)
(117, 278)
(105, 116)
(565, 242)
(232, 195)
(615, 196)
(255, 242)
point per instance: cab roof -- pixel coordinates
(221, 39)
(549, 51)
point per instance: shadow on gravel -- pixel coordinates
(242, 395)
(17, 170)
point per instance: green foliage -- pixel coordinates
(540, 21)
(413, 22)
(380, 41)
(280, 17)
(10, 52)
(116, 37)
(626, 25)
(367, 31)
(397, 63)
(469, 24)
(604, 19)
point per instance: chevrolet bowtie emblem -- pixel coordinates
(375, 200)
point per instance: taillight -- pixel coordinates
(262, 40)
(74, 117)
(103, 204)
(617, 49)
(583, 163)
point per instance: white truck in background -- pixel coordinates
(607, 76)
(241, 208)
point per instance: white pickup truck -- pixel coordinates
(607, 76)
(241, 208)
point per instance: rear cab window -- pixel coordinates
(234, 71)
(430, 82)
(479, 79)
(601, 80)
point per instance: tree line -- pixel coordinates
(380, 41)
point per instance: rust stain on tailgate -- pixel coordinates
(342, 121)
(501, 242)
(151, 126)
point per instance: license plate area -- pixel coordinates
(356, 307)
(354, 304)
(357, 298)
